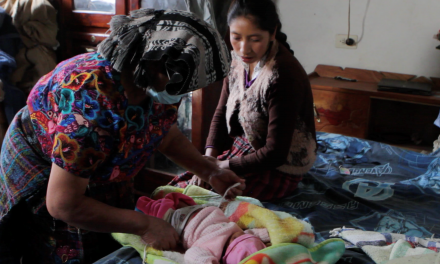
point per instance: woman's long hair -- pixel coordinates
(263, 13)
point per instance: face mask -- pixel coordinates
(164, 97)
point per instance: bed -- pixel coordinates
(368, 186)
(359, 188)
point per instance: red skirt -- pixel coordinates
(265, 186)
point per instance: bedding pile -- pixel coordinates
(387, 248)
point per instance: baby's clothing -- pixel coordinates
(242, 247)
(205, 235)
(180, 217)
(163, 208)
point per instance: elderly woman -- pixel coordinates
(90, 125)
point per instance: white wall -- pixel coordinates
(395, 35)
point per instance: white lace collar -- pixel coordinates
(257, 68)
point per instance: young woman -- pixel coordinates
(266, 108)
(69, 157)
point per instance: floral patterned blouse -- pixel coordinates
(84, 123)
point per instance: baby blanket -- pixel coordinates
(327, 252)
(291, 238)
(282, 227)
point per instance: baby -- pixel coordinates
(205, 231)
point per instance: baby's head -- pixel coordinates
(241, 245)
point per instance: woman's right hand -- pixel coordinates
(66, 201)
(224, 178)
(160, 234)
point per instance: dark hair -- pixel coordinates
(263, 13)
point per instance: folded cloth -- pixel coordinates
(384, 247)
(420, 259)
(36, 22)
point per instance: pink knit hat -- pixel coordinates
(242, 247)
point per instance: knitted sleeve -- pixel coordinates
(198, 255)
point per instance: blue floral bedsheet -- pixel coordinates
(370, 186)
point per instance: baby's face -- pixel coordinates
(234, 236)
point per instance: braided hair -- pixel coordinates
(263, 13)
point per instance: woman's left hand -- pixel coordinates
(222, 164)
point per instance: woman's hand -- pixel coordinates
(195, 180)
(222, 179)
(160, 234)
(222, 164)
(182, 152)
(225, 178)
(66, 201)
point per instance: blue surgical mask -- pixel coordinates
(164, 97)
